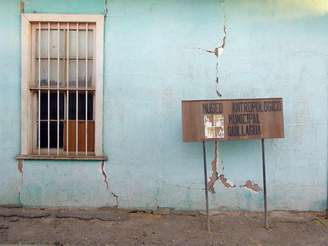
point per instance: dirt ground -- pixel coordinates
(164, 227)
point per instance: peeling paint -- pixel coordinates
(251, 186)
(226, 182)
(267, 45)
(218, 52)
(214, 177)
(20, 166)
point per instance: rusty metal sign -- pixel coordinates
(232, 119)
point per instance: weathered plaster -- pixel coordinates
(251, 186)
(150, 66)
(218, 52)
(214, 166)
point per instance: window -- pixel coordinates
(62, 58)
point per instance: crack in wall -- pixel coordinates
(104, 174)
(249, 185)
(22, 6)
(215, 174)
(106, 7)
(214, 177)
(218, 52)
(106, 180)
(116, 198)
(20, 167)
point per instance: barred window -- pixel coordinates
(62, 85)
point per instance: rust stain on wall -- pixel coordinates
(214, 177)
(227, 183)
(20, 166)
(250, 185)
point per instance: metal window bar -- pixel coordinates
(58, 54)
(86, 88)
(48, 121)
(61, 58)
(67, 91)
(39, 85)
(48, 89)
(45, 88)
(76, 93)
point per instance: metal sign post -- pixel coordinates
(266, 222)
(233, 119)
(206, 188)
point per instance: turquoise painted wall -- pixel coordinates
(10, 101)
(153, 60)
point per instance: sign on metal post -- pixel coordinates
(233, 119)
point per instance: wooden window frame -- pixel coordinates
(27, 103)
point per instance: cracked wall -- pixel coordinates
(70, 184)
(152, 62)
(106, 181)
(218, 52)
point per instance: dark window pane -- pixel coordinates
(44, 106)
(53, 106)
(43, 134)
(53, 115)
(81, 112)
(53, 134)
(90, 107)
(72, 106)
(82, 106)
(61, 106)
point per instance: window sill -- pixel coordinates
(62, 157)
